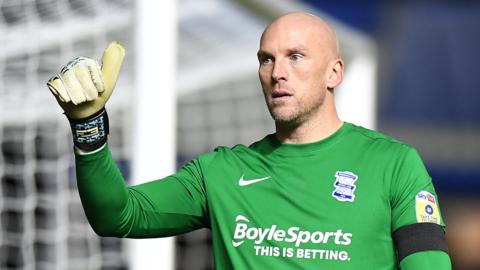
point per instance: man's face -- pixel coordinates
(293, 65)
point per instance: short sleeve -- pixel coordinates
(413, 196)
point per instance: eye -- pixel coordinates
(296, 57)
(266, 60)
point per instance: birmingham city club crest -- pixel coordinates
(344, 186)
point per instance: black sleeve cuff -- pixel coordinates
(419, 237)
(90, 133)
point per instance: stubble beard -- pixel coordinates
(298, 114)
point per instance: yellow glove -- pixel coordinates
(83, 87)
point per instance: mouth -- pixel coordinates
(279, 95)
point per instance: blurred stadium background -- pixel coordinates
(411, 73)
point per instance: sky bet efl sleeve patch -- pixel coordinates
(426, 208)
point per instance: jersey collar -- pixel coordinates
(271, 145)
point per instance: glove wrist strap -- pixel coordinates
(90, 133)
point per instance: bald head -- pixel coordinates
(299, 68)
(306, 24)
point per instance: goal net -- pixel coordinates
(42, 222)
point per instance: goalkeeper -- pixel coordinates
(319, 193)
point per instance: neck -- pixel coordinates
(319, 126)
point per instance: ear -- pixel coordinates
(335, 73)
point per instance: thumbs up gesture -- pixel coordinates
(83, 86)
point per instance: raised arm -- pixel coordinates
(169, 206)
(159, 208)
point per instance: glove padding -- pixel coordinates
(83, 87)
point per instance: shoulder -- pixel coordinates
(219, 159)
(372, 135)
(242, 149)
(377, 141)
(225, 153)
(381, 148)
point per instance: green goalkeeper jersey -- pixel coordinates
(332, 204)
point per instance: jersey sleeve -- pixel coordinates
(163, 207)
(413, 196)
(427, 260)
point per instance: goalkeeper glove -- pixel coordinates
(82, 88)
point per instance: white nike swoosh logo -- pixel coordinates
(242, 182)
(236, 244)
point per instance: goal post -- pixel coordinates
(153, 128)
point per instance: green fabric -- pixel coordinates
(295, 211)
(427, 260)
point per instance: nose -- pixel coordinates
(279, 71)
